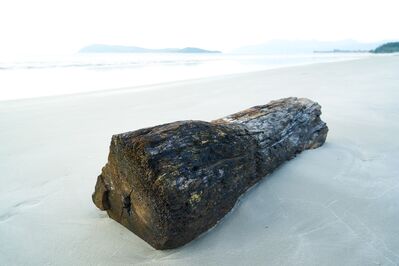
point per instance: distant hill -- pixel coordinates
(307, 46)
(194, 50)
(391, 47)
(339, 51)
(103, 48)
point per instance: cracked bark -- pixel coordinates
(183, 177)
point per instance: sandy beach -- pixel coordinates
(336, 205)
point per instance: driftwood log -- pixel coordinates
(172, 182)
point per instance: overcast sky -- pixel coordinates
(51, 26)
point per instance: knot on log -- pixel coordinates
(172, 182)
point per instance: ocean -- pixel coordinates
(39, 76)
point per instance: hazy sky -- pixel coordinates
(51, 26)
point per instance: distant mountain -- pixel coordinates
(194, 50)
(103, 48)
(391, 47)
(339, 51)
(307, 46)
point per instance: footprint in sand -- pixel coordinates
(19, 207)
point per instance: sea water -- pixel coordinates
(28, 77)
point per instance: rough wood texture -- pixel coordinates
(172, 182)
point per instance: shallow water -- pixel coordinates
(28, 77)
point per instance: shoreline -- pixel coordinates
(176, 82)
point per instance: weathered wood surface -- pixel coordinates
(170, 183)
